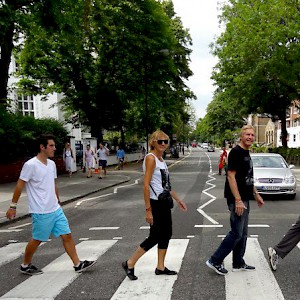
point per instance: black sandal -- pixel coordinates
(129, 272)
(166, 271)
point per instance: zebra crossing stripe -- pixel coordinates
(150, 286)
(58, 274)
(252, 285)
(11, 252)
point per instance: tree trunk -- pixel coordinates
(6, 51)
(284, 134)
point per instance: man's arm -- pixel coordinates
(239, 204)
(56, 192)
(11, 212)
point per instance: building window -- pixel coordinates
(25, 105)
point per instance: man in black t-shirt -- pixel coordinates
(239, 189)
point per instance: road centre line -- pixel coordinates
(259, 284)
(58, 274)
(208, 226)
(124, 186)
(9, 230)
(104, 228)
(205, 215)
(145, 227)
(92, 198)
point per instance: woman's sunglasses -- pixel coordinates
(159, 142)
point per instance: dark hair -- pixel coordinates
(43, 140)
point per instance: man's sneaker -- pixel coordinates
(244, 267)
(30, 270)
(273, 258)
(217, 268)
(84, 265)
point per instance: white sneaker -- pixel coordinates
(273, 258)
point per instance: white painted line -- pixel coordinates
(205, 215)
(58, 274)
(145, 227)
(259, 225)
(84, 239)
(252, 285)
(221, 236)
(190, 236)
(10, 230)
(90, 199)
(125, 186)
(298, 245)
(11, 252)
(12, 241)
(150, 286)
(254, 235)
(208, 226)
(19, 226)
(117, 238)
(104, 228)
(208, 202)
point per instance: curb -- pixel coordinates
(6, 222)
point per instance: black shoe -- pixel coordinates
(129, 272)
(30, 270)
(244, 267)
(166, 271)
(84, 265)
(217, 268)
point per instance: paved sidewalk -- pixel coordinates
(70, 189)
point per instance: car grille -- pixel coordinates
(270, 180)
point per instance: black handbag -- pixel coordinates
(165, 197)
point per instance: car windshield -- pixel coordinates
(268, 162)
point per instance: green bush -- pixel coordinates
(18, 134)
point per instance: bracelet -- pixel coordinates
(149, 209)
(13, 205)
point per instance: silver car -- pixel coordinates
(272, 175)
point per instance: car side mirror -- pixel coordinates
(291, 166)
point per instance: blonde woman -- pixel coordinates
(158, 213)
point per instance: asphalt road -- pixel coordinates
(117, 216)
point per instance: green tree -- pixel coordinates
(259, 56)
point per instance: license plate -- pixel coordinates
(270, 188)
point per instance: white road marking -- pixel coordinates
(104, 228)
(205, 215)
(11, 252)
(58, 274)
(117, 238)
(259, 225)
(125, 186)
(19, 226)
(208, 226)
(150, 286)
(9, 230)
(145, 227)
(89, 199)
(190, 236)
(84, 239)
(252, 285)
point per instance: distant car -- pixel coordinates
(272, 175)
(204, 145)
(210, 149)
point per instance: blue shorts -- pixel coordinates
(45, 224)
(102, 163)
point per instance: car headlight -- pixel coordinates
(290, 179)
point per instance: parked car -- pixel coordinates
(210, 149)
(272, 175)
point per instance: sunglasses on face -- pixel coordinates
(159, 142)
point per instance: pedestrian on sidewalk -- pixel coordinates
(239, 189)
(223, 161)
(38, 175)
(68, 158)
(158, 213)
(102, 154)
(89, 160)
(120, 157)
(285, 246)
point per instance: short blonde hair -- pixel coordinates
(245, 127)
(155, 136)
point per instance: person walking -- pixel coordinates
(120, 157)
(239, 189)
(38, 175)
(285, 246)
(223, 161)
(89, 160)
(68, 158)
(102, 154)
(158, 212)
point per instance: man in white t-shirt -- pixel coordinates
(102, 154)
(38, 175)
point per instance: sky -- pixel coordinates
(201, 18)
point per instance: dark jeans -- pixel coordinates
(161, 230)
(235, 240)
